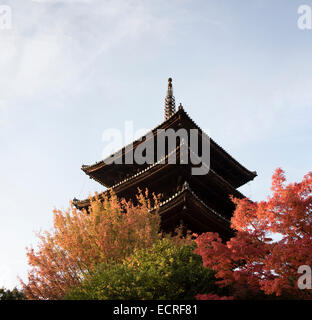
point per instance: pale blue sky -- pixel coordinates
(71, 69)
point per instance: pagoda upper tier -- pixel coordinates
(221, 162)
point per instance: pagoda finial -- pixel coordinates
(169, 101)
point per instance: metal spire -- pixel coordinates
(170, 108)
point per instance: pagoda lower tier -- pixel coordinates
(185, 207)
(164, 179)
(202, 203)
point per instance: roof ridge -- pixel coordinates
(180, 110)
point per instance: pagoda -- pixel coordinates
(200, 202)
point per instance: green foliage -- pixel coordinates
(164, 271)
(14, 294)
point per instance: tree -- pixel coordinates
(251, 262)
(14, 294)
(164, 271)
(111, 232)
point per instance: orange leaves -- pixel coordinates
(278, 180)
(245, 214)
(79, 241)
(286, 212)
(250, 262)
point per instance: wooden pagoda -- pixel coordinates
(201, 202)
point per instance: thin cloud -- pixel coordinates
(52, 50)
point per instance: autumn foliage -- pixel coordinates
(111, 231)
(92, 255)
(252, 263)
(165, 271)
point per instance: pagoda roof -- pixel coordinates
(154, 169)
(173, 209)
(105, 172)
(186, 188)
(187, 207)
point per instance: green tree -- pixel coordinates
(15, 294)
(165, 271)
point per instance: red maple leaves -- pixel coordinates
(252, 263)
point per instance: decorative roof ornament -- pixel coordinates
(185, 185)
(170, 107)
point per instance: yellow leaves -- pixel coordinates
(113, 230)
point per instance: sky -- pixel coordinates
(71, 69)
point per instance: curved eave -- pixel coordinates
(166, 203)
(159, 165)
(186, 189)
(149, 171)
(187, 206)
(99, 164)
(90, 168)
